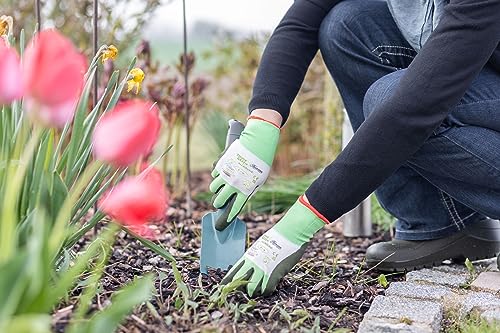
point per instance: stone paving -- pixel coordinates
(419, 304)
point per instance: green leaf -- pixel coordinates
(30, 323)
(470, 266)
(116, 94)
(152, 246)
(13, 282)
(382, 280)
(122, 303)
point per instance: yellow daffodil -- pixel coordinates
(6, 23)
(110, 53)
(136, 76)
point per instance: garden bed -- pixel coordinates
(328, 290)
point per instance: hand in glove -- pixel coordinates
(243, 168)
(276, 252)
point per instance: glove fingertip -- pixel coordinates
(232, 272)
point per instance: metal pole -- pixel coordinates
(94, 48)
(357, 223)
(186, 110)
(38, 14)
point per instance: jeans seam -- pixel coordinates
(426, 231)
(456, 212)
(395, 46)
(479, 102)
(443, 199)
(471, 153)
(397, 54)
(387, 61)
(468, 217)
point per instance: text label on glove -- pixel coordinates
(241, 169)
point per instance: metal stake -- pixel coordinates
(38, 14)
(186, 110)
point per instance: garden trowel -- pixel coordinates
(221, 249)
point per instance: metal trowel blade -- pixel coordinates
(221, 249)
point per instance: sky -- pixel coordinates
(242, 15)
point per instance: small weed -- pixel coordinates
(472, 323)
(182, 294)
(337, 319)
(470, 266)
(221, 293)
(472, 274)
(382, 281)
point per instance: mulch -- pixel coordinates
(330, 289)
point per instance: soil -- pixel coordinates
(328, 291)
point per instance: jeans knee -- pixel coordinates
(379, 91)
(336, 28)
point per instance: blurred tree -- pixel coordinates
(119, 20)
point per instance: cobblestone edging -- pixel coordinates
(418, 305)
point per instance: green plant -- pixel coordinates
(382, 281)
(471, 323)
(381, 217)
(49, 184)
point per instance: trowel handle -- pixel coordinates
(234, 131)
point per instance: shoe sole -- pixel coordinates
(466, 247)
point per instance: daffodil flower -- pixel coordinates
(6, 23)
(136, 77)
(110, 53)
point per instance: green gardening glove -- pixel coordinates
(276, 252)
(243, 168)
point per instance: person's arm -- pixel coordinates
(436, 80)
(287, 56)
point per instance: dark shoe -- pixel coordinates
(478, 241)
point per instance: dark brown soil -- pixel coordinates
(330, 288)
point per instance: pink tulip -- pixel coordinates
(11, 86)
(127, 133)
(137, 200)
(54, 76)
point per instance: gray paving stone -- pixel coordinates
(491, 315)
(479, 301)
(450, 279)
(488, 281)
(418, 291)
(458, 269)
(424, 313)
(385, 325)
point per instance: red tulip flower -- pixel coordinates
(11, 85)
(54, 77)
(137, 200)
(127, 133)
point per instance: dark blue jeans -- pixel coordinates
(454, 178)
